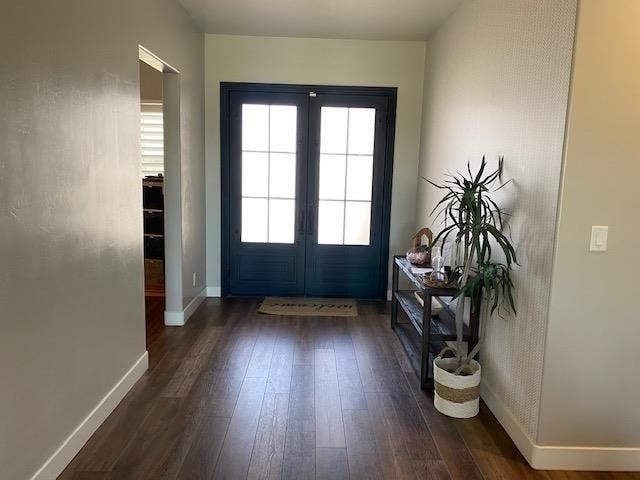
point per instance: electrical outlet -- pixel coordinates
(195, 277)
(599, 239)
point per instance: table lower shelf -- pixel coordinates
(411, 343)
(442, 327)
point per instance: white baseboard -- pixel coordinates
(177, 318)
(173, 319)
(195, 303)
(214, 292)
(543, 457)
(517, 433)
(586, 458)
(74, 442)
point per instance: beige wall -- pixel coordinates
(496, 83)
(591, 388)
(324, 62)
(71, 276)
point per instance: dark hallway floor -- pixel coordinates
(235, 394)
(154, 317)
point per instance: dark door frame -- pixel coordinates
(226, 88)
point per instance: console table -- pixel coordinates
(430, 340)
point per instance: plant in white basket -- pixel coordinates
(484, 257)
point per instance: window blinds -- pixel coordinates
(151, 139)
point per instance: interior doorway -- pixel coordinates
(152, 169)
(152, 177)
(307, 187)
(160, 181)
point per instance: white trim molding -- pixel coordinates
(74, 442)
(214, 292)
(153, 61)
(178, 319)
(586, 458)
(544, 457)
(174, 319)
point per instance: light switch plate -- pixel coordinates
(599, 236)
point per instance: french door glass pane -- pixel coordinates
(357, 223)
(333, 130)
(255, 172)
(330, 222)
(282, 128)
(281, 215)
(254, 219)
(269, 140)
(282, 175)
(359, 177)
(346, 174)
(255, 128)
(361, 130)
(332, 176)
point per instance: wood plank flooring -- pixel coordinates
(235, 394)
(154, 317)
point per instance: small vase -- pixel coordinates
(418, 257)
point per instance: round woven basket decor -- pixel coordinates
(456, 396)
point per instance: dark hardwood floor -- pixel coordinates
(235, 394)
(154, 317)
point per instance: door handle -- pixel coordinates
(301, 222)
(310, 224)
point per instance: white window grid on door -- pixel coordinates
(346, 175)
(268, 173)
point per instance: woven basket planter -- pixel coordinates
(457, 396)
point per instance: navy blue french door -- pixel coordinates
(267, 192)
(345, 195)
(306, 189)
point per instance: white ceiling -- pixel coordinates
(357, 19)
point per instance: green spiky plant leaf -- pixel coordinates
(475, 223)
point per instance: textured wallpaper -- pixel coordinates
(496, 83)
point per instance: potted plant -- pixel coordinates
(484, 258)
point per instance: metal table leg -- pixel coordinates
(426, 341)
(394, 289)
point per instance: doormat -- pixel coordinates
(309, 307)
